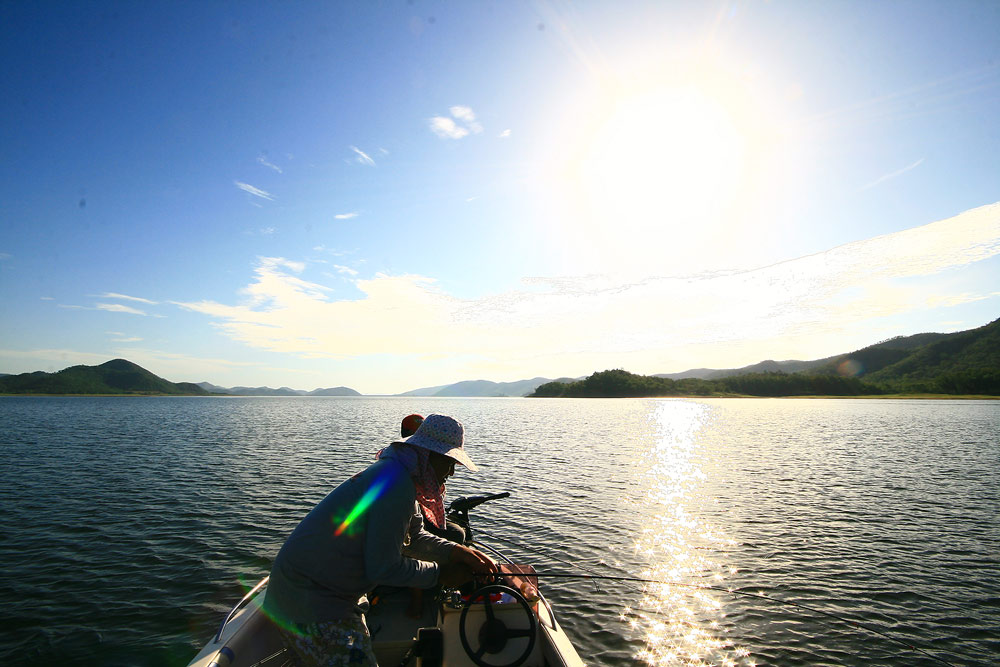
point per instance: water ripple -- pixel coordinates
(131, 525)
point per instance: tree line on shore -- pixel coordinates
(619, 383)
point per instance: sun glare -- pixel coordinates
(667, 159)
(664, 167)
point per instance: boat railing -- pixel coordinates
(239, 605)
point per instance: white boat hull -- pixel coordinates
(250, 639)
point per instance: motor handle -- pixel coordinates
(466, 503)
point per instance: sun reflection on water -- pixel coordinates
(682, 622)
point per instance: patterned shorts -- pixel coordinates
(343, 643)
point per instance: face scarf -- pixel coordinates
(430, 493)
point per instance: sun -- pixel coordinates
(664, 158)
(662, 170)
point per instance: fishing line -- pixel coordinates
(936, 600)
(536, 551)
(790, 603)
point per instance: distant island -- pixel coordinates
(281, 391)
(961, 363)
(484, 388)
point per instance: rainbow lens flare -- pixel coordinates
(370, 496)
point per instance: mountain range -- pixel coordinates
(906, 363)
(484, 388)
(871, 358)
(923, 356)
(966, 362)
(281, 391)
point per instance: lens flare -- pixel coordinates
(850, 368)
(370, 496)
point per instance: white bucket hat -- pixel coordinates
(444, 435)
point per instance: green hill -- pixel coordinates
(117, 376)
(966, 362)
(871, 359)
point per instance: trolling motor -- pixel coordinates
(458, 509)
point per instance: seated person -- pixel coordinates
(449, 530)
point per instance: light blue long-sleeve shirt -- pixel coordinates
(331, 560)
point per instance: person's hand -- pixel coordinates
(453, 575)
(476, 560)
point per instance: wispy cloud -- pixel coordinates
(124, 297)
(110, 308)
(893, 174)
(262, 160)
(267, 231)
(336, 252)
(928, 97)
(578, 325)
(274, 288)
(345, 269)
(346, 216)
(467, 116)
(504, 134)
(448, 128)
(362, 157)
(256, 192)
(47, 298)
(4, 255)
(119, 308)
(130, 339)
(269, 263)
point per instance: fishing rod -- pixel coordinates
(734, 592)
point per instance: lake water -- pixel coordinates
(131, 525)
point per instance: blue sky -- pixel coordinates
(402, 194)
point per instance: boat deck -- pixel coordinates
(391, 627)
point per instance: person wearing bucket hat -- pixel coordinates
(434, 522)
(369, 531)
(449, 530)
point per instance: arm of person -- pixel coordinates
(475, 560)
(459, 563)
(425, 545)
